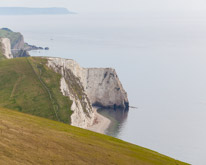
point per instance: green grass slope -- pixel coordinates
(26, 139)
(28, 85)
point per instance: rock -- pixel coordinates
(28, 47)
(83, 115)
(96, 86)
(71, 86)
(104, 89)
(6, 47)
(18, 43)
(18, 47)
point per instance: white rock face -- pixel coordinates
(6, 46)
(104, 88)
(20, 44)
(79, 117)
(99, 86)
(71, 86)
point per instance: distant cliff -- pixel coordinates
(17, 39)
(18, 47)
(5, 48)
(33, 11)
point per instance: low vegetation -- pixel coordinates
(27, 139)
(28, 85)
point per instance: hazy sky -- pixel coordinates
(113, 5)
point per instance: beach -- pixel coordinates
(101, 123)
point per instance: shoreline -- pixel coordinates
(101, 123)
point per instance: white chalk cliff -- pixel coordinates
(6, 47)
(71, 86)
(87, 87)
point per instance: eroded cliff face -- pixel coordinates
(104, 89)
(6, 48)
(87, 87)
(71, 86)
(18, 43)
(18, 47)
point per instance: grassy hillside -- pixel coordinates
(27, 139)
(28, 85)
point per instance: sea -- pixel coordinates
(160, 58)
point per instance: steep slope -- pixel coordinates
(2, 51)
(5, 48)
(27, 139)
(101, 85)
(17, 40)
(18, 47)
(27, 85)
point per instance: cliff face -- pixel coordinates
(18, 47)
(18, 43)
(16, 39)
(100, 87)
(71, 86)
(6, 48)
(104, 88)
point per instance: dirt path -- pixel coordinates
(15, 85)
(55, 107)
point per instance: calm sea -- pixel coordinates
(160, 59)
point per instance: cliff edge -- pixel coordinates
(18, 47)
(88, 87)
(101, 85)
(5, 48)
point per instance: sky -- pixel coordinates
(112, 5)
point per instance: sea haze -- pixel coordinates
(160, 59)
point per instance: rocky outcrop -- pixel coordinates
(18, 43)
(6, 48)
(18, 47)
(71, 86)
(89, 86)
(104, 89)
